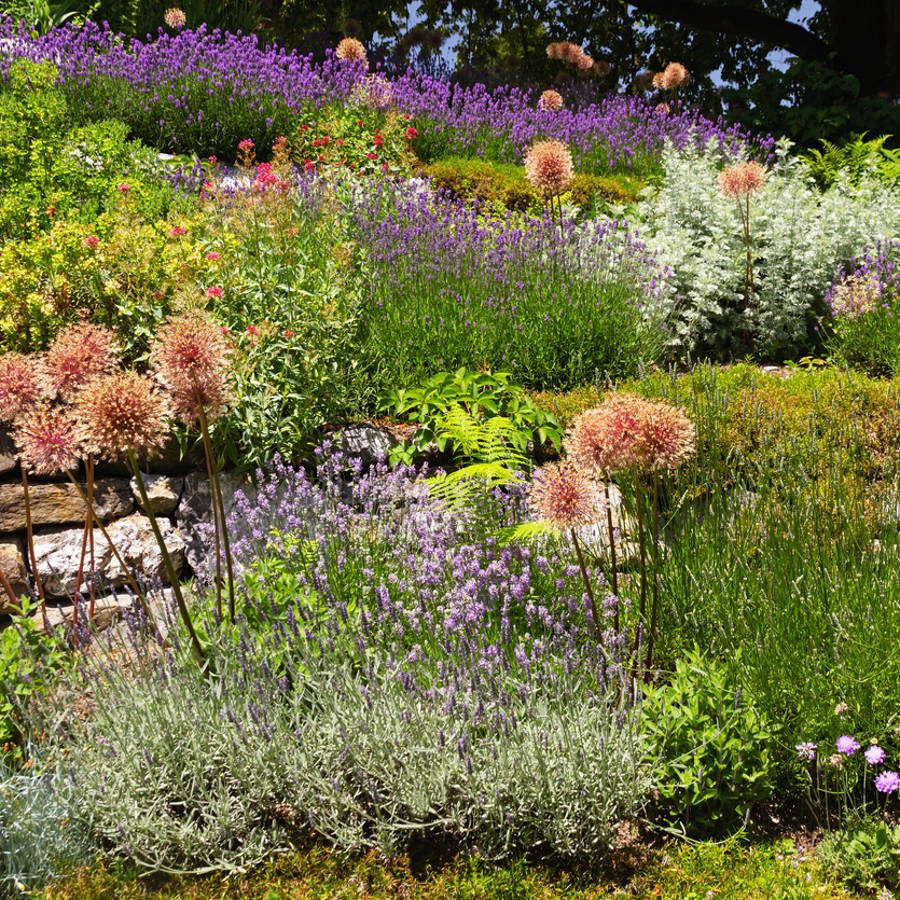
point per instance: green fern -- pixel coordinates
(853, 160)
(489, 449)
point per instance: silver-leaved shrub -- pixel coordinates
(799, 236)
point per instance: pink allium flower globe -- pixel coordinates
(628, 431)
(550, 100)
(191, 358)
(120, 413)
(549, 168)
(350, 49)
(79, 354)
(565, 495)
(741, 179)
(175, 17)
(21, 385)
(47, 441)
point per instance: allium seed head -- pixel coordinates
(674, 75)
(351, 49)
(627, 431)
(549, 168)
(47, 440)
(79, 354)
(550, 100)
(119, 413)
(564, 495)
(855, 296)
(191, 358)
(741, 179)
(667, 435)
(175, 17)
(21, 385)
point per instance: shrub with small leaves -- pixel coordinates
(711, 746)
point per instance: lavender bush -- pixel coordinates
(199, 91)
(553, 304)
(399, 678)
(864, 302)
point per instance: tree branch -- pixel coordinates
(741, 22)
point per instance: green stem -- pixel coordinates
(642, 610)
(29, 537)
(216, 485)
(122, 564)
(612, 549)
(654, 534)
(167, 561)
(587, 582)
(214, 509)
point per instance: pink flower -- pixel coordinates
(847, 745)
(214, 291)
(177, 231)
(874, 755)
(92, 241)
(742, 179)
(124, 188)
(371, 156)
(564, 495)
(410, 134)
(288, 333)
(246, 145)
(252, 329)
(213, 255)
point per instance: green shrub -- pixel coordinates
(482, 395)
(866, 857)
(505, 184)
(711, 746)
(853, 160)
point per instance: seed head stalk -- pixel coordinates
(654, 536)
(29, 537)
(587, 582)
(221, 526)
(167, 562)
(115, 551)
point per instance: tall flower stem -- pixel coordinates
(167, 561)
(216, 489)
(142, 599)
(214, 509)
(614, 574)
(7, 587)
(29, 537)
(587, 581)
(654, 536)
(87, 541)
(642, 547)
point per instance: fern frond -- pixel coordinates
(526, 533)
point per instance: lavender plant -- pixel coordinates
(554, 305)
(865, 306)
(398, 677)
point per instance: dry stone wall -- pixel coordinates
(178, 494)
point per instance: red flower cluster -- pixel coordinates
(410, 134)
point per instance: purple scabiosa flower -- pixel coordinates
(888, 782)
(806, 750)
(847, 745)
(874, 755)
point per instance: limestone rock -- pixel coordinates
(13, 567)
(7, 452)
(163, 492)
(60, 504)
(194, 513)
(368, 442)
(59, 552)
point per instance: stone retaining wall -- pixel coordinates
(178, 494)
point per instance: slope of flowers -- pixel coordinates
(198, 91)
